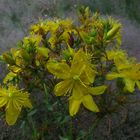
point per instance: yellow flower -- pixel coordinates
(20, 56)
(83, 95)
(39, 28)
(32, 39)
(130, 75)
(60, 30)
(117, 55)
(13, 99)
(67, 23)
(126, 68)
(53, 40)
(120, 59)
(77, 79)
(43, 51)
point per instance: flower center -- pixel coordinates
(10, 94)
(76, 77)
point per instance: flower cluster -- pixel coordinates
(79, 59)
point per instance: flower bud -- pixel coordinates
(43, 51)
(8, 58)
(113, 31)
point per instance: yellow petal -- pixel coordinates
(65, 36)
(78, 63)
(53, 41)
(22, 99)
(63, 87)
(113, 75)
(15, 69)
(97, 90)
(43, 51)
(129, 85)
(16, 105)
(89, 103)
(121, 65)
(90, 74)
(74, 106)
(138, 84)
(34, 39)
(60, 70)
(78, 91)
(3, 101)
(28, 104)
(11, 113)
(84, 79)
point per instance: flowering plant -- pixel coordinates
(82, 62)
